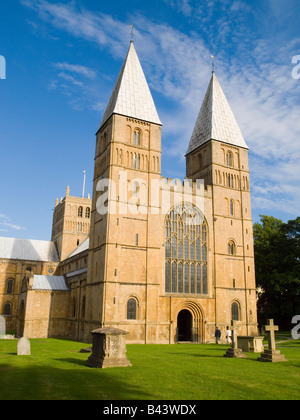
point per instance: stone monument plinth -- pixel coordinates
(109, 349)
(251, 344)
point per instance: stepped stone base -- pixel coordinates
(272, 356)
(238, 353)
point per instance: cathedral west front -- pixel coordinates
(166, 260)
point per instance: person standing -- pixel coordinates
(228, 335)
(217, 335)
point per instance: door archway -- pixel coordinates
(184, 325)
(189, 322)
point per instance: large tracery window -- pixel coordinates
(186, 251)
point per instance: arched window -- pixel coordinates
(186, 251)
(10, 285)
(137, 138)
(229, 159)
(134, 161)
(88, 213)
(200, 161)
(231, 248)
(80, 211)
(7, 309)
(235, 311)
(135, 189)
(231, 208)
(131, 309)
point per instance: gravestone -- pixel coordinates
(109, 349)
(24, 347)
(271, 354)
(2, 327)
(251, 344)
(234, 351)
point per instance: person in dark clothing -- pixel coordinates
(217, 335)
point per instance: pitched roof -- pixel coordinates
(131, 95)
(49, 283)
(216, 120)
(28, 250)
(84, 246)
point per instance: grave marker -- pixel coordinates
(2, 327)
(234, 351)
(24, 347)
(109, 349)
(271, 354)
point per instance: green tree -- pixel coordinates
(277, 268)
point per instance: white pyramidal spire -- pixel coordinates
(216, 120)
(131, 95)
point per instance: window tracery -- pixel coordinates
(186, 251)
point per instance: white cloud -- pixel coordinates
(78, 69)
(256, 78)
(5, 221)
(70, 78)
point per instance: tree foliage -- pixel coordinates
(277, 268)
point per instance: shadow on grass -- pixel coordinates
(212, 356)
(67, 383)
(73, 361)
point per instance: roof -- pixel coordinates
(216, 120)
(84, 246)
(77, 272)
(49, 283)
(28, 250)
(131, 95)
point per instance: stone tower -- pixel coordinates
(124, 256)
(218, 154)
(71, 223)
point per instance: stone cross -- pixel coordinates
(271, 354)
(234, 335)
(271, 328)
(234, 351)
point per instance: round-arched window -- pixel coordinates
(131, 309)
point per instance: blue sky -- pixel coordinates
(62, 61)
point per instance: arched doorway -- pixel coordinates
(184, 326)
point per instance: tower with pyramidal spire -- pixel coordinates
(169, 273)
(165, 260)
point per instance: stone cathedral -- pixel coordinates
(166, 260)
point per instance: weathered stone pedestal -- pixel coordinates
(272, 356)
(109, 349)
(234, 353)
(251, 344)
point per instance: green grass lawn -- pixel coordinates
(56, 371)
